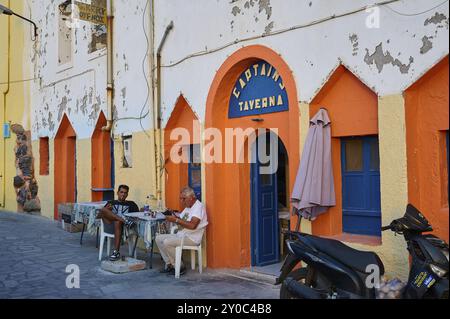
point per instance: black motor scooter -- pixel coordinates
(336, 271)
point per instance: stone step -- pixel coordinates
(250, 276)
(123, 266)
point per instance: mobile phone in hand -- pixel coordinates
(168, 213)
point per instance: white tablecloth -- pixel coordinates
(148, 226)
(87, 213)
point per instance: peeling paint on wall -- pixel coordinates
(51, 123)
(427, 45)
(125, 63)
(380, 59)
(269, 28)
(436, 19)
(236, 10)
(265, 5)
(244, 16)
(83, 105)
(354, 40)
(79, 80)
(62, 108)
(95, 110)
(115, 112)
(123, 94)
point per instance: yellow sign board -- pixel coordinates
(91, 13)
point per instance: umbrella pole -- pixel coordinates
(299, 219)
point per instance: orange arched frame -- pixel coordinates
(177, 173)
(65, 150)
(427, 123)
(228, 185)
(101, 159)
(353, 110)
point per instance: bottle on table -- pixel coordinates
(147, 206)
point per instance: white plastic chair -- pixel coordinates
(179, 251)
(104, 235)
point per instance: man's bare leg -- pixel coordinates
(117, 234)
(109, 217)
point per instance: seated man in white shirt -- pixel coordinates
(191, 224)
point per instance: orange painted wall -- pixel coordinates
(101, 159)
(426, 119)
(353, 110)
(177, 174)
(228, 185)
(65, 148)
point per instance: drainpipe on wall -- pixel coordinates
(158, 153)
(5, 93)
(110, 67)
(153, 78)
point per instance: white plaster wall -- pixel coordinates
(132, 54)
(78, 89)
(311, 52)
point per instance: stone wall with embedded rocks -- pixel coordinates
(24, 182)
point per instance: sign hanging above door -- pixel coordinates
(259, 90)
(92, 11)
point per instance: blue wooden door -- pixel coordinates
(264, 203)
(361, 201)
(195, 170)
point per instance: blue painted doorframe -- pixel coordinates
(264, 216)
(361, 200)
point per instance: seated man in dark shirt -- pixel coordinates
(114, 219)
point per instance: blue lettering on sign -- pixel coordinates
(259, 90)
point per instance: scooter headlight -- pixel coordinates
(438, 271)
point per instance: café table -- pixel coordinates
(86, 213)
(147, 225)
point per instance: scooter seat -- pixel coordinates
(355, 259)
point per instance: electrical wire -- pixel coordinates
(265, 35)
(206, 52)
(385, 3)
(141, 116)
(20, 81)
(416, 14)
(143, 70)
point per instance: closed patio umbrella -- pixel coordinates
(313, 192)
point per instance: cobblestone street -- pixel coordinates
(35, 253)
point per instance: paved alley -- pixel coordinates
(35, 252)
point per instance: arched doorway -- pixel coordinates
(269, 199)
(65, 165)
(228, 185)
(102, 168)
